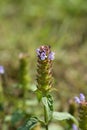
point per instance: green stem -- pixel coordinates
(45, 118)
(46, 127)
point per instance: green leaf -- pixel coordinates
(48, 103)
(64, 116)
(29, 124)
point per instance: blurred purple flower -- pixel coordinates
(2, 69)
(82, 97)
(43, 55)
(38, 52)
(51, 56)
(74, 127)
(77, 100)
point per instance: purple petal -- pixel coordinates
(51, 56)
(38, 52)
(2, 70)
(82, 97)
(43, 56)
(77, 100)
(74, 127)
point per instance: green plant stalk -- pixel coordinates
(24, 77)
(45, 118)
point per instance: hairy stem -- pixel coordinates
(45, 118)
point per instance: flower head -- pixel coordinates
(82, 110)
(80, 99)
(44, 53)
(44, 68)
(2, 70)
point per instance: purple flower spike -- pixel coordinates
(43, 56)
(82, 97)
(74, 127)
(38, 52)
(2, 70)
(77, 100)
(51, 56)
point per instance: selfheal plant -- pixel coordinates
(81, 101)
(44, 79)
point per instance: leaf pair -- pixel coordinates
(48, 102)
(50, 115)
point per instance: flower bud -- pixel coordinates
(24, 78)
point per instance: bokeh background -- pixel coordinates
(62, 24)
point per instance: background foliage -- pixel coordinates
(27, 24)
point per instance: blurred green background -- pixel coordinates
(27, 24)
